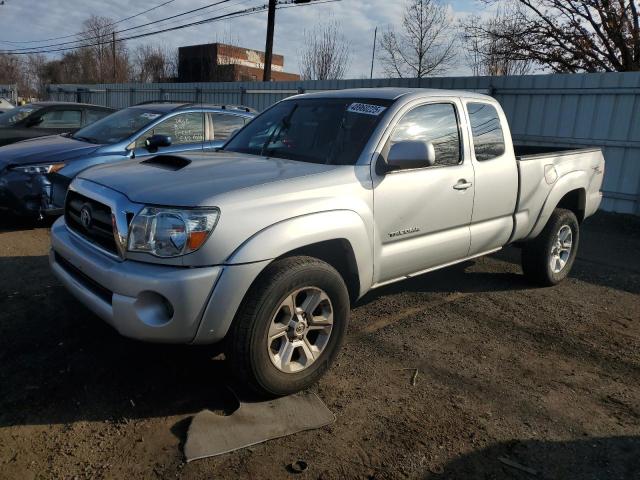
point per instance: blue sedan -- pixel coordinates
(35, 174)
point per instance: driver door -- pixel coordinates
(423, 215)
(185, 129)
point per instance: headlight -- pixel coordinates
(167, 232)
(39, 168)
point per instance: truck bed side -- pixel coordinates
(547, 177)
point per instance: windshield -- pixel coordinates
(14, 115)
(117, 126)
(328, 130)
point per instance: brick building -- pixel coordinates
(218, 62)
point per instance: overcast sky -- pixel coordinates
(23, 20)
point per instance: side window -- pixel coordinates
(184, 129)
(488, 139)
(95, 115)
(61, 119)
(436, 123)
(224, 125)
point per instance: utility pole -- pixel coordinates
(113, 54)
(268, 50)
(373, 54)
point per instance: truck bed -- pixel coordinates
(529, 152)
(541, 169)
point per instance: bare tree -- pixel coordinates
(97, 59)
(153, 64)
(488, 53)
(326, 53)
(14, 71)
(425, 46)
(574, 35)
(34, 72)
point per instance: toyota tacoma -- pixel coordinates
(323, 197)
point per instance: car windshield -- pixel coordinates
(117, 126)
(328, 130)
(13, 116)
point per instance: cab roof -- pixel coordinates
(169, 106)
(392, 93)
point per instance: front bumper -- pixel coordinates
(144, 301)
(23, 193)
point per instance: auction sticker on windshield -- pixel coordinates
(366, 108)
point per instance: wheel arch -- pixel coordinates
(339, 254)
(338, 237)
(569, 193)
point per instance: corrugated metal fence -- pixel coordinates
(565, 110)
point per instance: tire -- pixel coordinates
(292, 283)
(537, 254)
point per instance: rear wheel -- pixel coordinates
(548, 259)
(290, 326)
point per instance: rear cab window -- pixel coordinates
(486, 130)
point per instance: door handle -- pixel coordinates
(462, 185)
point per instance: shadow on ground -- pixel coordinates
(11, 223)
(60, 363)
(585, 459)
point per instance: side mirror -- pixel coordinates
(411, 154)
(156, 141)
(33, 121)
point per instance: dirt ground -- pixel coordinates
(514, 382)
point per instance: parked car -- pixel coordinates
(318, 200)
(47, 118)
(5, 105)
(35, 174)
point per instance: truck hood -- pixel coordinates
(54, 148)
(194, 185)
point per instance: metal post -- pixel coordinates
(373, 54)
(113, 53)
(268, 50)
(243, 96)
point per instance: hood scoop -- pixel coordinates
(168, 162)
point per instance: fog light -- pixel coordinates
(153, 309)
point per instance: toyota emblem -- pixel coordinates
(85, 217)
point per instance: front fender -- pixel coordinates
(245, 264)
(576, 180)
(294, 233)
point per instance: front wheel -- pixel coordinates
(547, 259)
(289, 327)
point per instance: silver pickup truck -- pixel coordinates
(318, 200)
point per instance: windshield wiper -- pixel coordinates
(284, 123)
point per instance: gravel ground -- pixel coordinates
(514, 382)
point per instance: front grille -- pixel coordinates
(90, 284)
(99, 230)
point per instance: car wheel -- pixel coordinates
(548, 259)
(290, 326)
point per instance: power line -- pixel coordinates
(117, 22)
(236, 14)
(17, 51)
